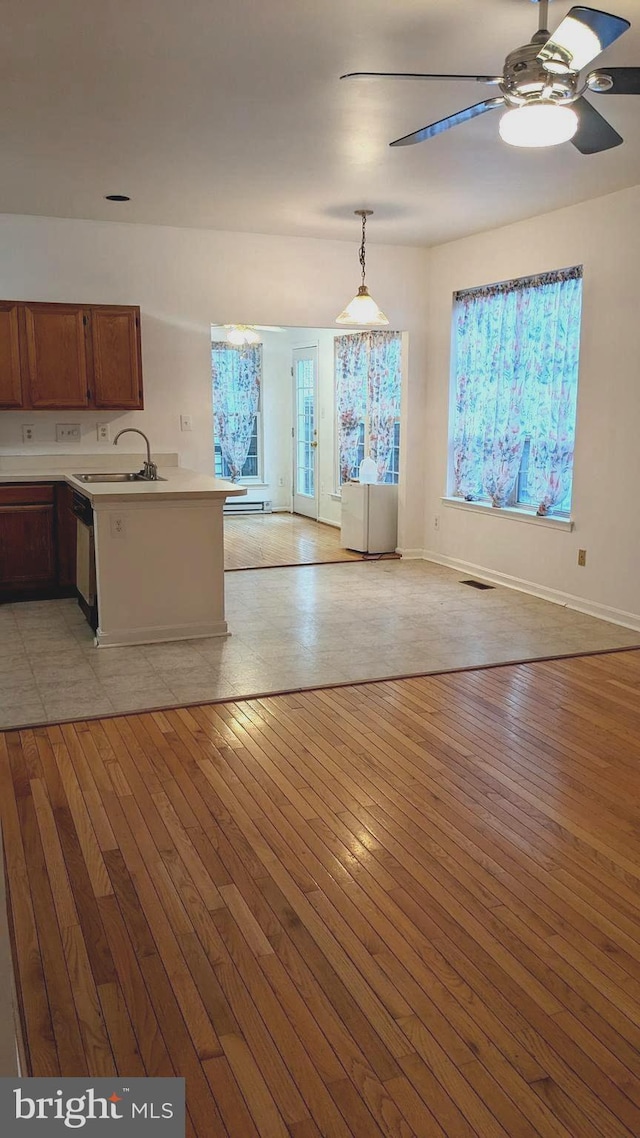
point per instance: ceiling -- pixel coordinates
(230, 115)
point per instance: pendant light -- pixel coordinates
(363, 309)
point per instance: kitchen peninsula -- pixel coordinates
(158, 547)
(159, 556)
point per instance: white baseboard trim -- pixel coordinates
(412, 554)
(567, 600)
(329, 522)
(123, 637)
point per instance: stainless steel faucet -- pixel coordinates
(149, 468)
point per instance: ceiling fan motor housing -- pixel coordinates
(525, 79)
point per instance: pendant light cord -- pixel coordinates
(543, 15)
(362, 258)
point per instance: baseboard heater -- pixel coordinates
(238, 506)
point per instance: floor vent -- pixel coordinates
(477, 584)
(238, 506)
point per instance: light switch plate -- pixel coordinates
(186, 423)
(67, 432)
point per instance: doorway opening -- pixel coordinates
(294, 413)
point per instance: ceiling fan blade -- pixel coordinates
(626, 80)
(594, 133)
(445, 124)
(418, 75)
(581, 36)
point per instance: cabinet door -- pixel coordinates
(117, 371)
(56, 355)
(10, 375)
(66, 534)
(26, 546)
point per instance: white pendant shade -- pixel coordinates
(362, 310)
(538, 124)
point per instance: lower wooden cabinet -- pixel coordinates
(66, 534)
(37, 541)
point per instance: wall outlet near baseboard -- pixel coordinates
(582, 557)
(436, 522)
(68, 432)
(27, 432)
(103, 431)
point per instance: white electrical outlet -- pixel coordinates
(118, 526)
(436, 522)
(281, 481)
(27, 432)
(103, 431)
(186, 423)
(67, 432)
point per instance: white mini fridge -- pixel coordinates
(369, 522)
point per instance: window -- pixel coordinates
(368, 385)
(236, 372)
(516, 354)
(251, 465)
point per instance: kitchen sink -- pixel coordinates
(112, 476)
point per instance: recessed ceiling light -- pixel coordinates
(117, 198)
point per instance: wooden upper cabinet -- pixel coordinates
(56, 355)
(10, 370)
(69, 356)
(117, 367)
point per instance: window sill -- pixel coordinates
(335, 497)
(514, 513)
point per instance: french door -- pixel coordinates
(305, 432)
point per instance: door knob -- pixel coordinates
(314, 444)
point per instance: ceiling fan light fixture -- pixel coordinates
(580, 44)
(362, 310)
(241, 334)
(538, 124)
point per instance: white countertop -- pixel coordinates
(176, 483)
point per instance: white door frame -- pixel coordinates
(305, 503)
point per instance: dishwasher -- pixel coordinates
(85, 559)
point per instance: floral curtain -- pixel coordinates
(516, 377)
(236, 373)
(553, 412)
(351, 363)
(368, 374)
(384, 396)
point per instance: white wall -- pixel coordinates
(185, 279)
(604, 236)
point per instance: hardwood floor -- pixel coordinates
(258, 541)
(404, 908)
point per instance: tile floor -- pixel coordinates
(292, 628)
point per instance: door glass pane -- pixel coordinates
(305, 429)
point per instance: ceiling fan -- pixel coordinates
(241, 334)
(541, 86)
